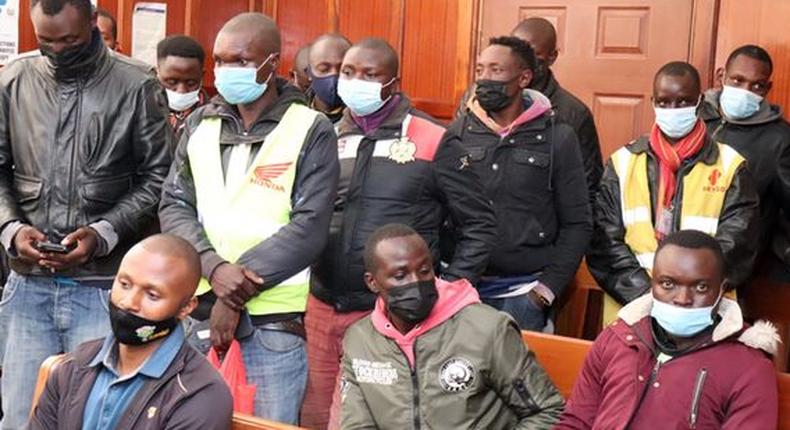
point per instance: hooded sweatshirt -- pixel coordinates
(465, 366)
(764, 140)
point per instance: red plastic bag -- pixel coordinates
(235, 375)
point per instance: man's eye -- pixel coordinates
(152, 296)
(701, 288)
(666, 284)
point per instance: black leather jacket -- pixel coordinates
(613, 264)
(79, 151)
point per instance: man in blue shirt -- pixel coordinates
(144, 375)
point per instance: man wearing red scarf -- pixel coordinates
(676, 178)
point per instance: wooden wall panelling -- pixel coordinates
(176, 19)
(300, 22)
(702, 47)
(380, 18)
(27, 37)
(761, 22)
(428, 66)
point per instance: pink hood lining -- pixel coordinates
(453, 296)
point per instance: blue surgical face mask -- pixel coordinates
(677, 122)
(683, 322)
(362, 97)
(238, 85)
(737, 103)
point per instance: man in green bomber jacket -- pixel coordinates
(432, 356)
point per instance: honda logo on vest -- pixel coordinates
(264, 175)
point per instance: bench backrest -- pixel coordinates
(563, 358)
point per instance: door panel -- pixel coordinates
(609, 52)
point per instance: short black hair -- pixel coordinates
(752, 51)
(388, 231)
(180, 46)
(53, 7)
(381, 45)
(695, 239)
(679, 68)
(519, 47)
(106, 14)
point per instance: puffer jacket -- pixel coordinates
(611, 261)
(429, 185)
(76, 152)
(764, 140)
(726, 382)
(464, 367)
(536, 181)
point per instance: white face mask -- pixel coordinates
(738, 103)
(677, 122)
(362, 97)
(182, 101)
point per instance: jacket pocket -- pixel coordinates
(699, 384)
(522, 392)
(28, 192)
(528, 175)
(102, 194)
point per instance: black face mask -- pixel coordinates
(413, 302)
(129, 329)
(540, 76)
(492, 95)
(71, 62)
(325, 88)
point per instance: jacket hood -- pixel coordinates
(762, 335)
(453, 296)
(539, 104)
(711, 111)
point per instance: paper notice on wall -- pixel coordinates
(149, 23)
(9, 30)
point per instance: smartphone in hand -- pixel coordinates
(53, 247)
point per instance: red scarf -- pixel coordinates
(669, 159)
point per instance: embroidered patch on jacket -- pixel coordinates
(456, 374)
(402, 151)
(374, 372)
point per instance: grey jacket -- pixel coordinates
(78, 152)
(190, 395)
(295, 246)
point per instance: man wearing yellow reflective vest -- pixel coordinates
(674, 179)
(252, 188)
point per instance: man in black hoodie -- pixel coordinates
(738, 115)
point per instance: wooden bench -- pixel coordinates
(563, 358)
(240, 421)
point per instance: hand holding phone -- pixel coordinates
(56, 248)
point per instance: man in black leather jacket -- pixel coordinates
(84, 148)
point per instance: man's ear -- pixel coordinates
(525, 79)
(720, 77)
(552, 57)
(187, 308)
(370, 281)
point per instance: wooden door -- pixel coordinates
(610, 50)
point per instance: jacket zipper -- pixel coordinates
(74, 146)
(703, 373)
(525, 396)
(415, 385)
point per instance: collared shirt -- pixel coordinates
(112, 394)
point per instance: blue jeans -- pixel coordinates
(276, 363)
(527, 314)
(43, 316)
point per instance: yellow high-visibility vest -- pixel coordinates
(241, 215)
(704, 189)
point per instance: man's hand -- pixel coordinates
(234, 284)
(222, 326)
(538, 300)
(86, 240)
(25, 244)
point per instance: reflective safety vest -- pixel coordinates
(704, 189)
(238, 217)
